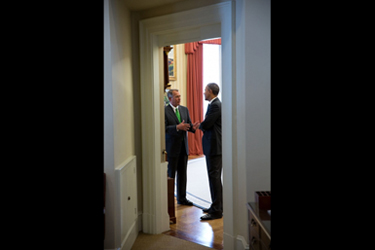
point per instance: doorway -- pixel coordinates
(205, 59)
(155, 33)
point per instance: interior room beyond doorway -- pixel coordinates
(188, 225)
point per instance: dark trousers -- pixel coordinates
(214, 167)
(179, 165)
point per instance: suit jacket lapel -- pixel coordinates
(182, 114)
(173, 114)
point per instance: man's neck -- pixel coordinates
(172, 105)
(213, 99)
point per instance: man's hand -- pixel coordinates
(183, 126)
(196, 125)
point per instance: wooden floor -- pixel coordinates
(190, 227)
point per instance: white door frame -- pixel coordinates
(187, 26)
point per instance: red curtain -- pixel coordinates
(194, 83)
(212, 41)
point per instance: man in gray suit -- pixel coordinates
(177, 123)
(211, 142)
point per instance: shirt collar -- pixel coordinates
(213, 99)
(174, 108)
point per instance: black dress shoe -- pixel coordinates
(211, 217)
(187, 203)
(206, 210)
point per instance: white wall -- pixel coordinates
(108, 134)
(251, 170)
(122, 83)
(258, 95)
(118, 107)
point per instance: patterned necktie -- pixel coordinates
(208, 108)
(178, 115)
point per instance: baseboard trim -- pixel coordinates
(241, 243)
(228, 241)
(131, 236)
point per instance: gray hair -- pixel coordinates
(214, 87)
(170, 92)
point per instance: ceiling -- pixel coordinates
(138, 5)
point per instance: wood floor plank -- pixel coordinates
(190, 227)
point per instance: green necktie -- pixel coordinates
(179, 118)
(178, 115)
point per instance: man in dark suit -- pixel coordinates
(177, 123)
(211, 141)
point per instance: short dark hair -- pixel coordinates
(170, 92)
(214, 87)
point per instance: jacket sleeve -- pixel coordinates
(170, 128)
(213, 114)
(189, 121)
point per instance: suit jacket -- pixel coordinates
(174, 138)
(211, 127)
